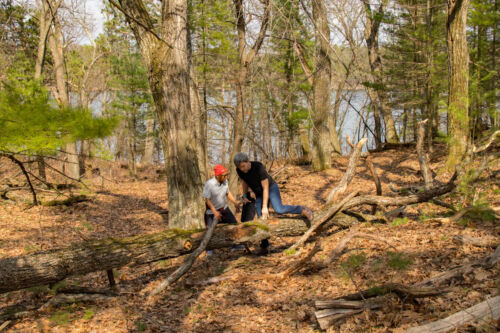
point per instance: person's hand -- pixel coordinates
(218, 216)
(237, 206)
(245, 200)
(265, 213)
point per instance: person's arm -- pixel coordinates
(212, 208)
(265, 198)
(234, 201)
(244, 186)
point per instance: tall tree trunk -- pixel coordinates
(45, 22)
(131, 147)
(199, 119)
(72, 165)
(431, 125)
(373, 20)
(290, 100)
(168, 73)
(458, 63)
(322, 143)
(149, 145)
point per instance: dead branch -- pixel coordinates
(73, 298)
(422, 156)
(479, 242)
(373, 298)
(369, 164)
(327, 317)
(376, 179)
(331, 212)
(492, 138)
(403, 291)
(403, 201)
(489, 309)
(458, 272)
(188, 263)
(23, 169)
(349, 174)
(300, 263)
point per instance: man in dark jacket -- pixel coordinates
(254, 175)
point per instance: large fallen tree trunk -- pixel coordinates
(46, 267)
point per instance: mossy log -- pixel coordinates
(51, 266)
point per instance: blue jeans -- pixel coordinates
(275, 201)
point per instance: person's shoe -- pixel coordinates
(307, 213)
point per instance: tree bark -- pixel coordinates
(149, 145)
(168, 72)
(489, 310)
(322, 143)
(458, 74)
(422, 156)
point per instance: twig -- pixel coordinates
(20, 164)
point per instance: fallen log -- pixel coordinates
(479, 242)
(487, 310)
(51, 266)
(46, 267)
(335, 309)
(332, 310)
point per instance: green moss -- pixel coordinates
(62, 318)
(258, 225)
(375, 291)
(290, 252)
(399, 221)
(57, 286)
(89, 313)
(39, 290)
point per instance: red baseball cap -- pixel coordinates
(219, 170)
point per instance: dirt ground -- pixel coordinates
(120, 206)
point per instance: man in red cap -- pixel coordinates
(215, 192)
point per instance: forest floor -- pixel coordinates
(124, 207)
